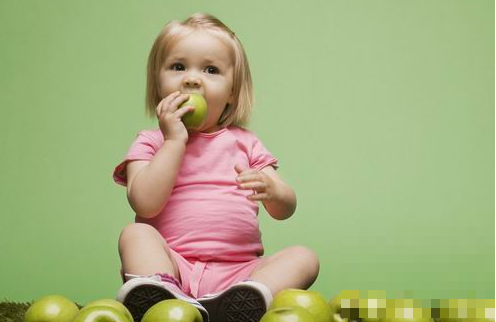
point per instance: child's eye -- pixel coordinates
(212, 70)
(177, 66)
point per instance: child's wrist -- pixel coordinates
(176, 142)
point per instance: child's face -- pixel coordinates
(200, 63)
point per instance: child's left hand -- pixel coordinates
(262, 185)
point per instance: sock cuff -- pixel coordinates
(169, 278)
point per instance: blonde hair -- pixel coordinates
(239, 113)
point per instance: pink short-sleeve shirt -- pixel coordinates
(207, 216)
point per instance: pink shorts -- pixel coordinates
(199, 278)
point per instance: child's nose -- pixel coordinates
(192, 81)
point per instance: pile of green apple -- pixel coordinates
(290, 305)
(56, 308)
(355, 312)
(294, 305)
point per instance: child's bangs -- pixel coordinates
(172, 36)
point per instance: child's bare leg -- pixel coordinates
(143, 251)
(293, 267)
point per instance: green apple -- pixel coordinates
(51, 308)
(369, 309)
(312, 301)
(101, 314)
(111, 303)
(464, 320)
(350, 311)
(335, 305)
(287, 314)
(194, 119)
(172, 311)
(406, 320)
(465, 310)
(336, 317)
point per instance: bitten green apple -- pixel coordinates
(111, 303)
(101, 314)
(194, 119)
(51, 308)
(312, 301)
(172, 311)
(287, 314)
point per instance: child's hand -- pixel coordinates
(169, 116)
(262, 185)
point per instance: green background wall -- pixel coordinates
(381, 113)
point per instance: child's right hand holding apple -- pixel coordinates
(169, 117)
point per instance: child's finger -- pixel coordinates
(257, 185)
(158, 109)
(183, 110)
(258, 196)
(249, 177)
(238, 168)
(166, 102)
(173, 106)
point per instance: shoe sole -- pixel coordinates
(142, 297)
(239, 304)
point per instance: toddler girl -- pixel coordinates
(196, 192)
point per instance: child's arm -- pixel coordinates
(283, 202)
(277, 196)
(150, 183)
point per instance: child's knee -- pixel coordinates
(310, 264)
(136, 231)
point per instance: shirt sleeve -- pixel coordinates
(260, 156)
(144, 147)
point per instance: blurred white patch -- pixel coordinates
(372, 303)
(408, 313)
(345, 303)
(489, 313)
